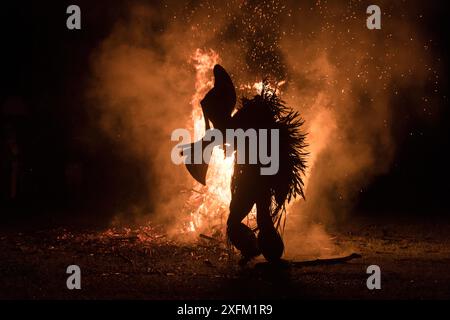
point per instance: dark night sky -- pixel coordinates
(48, 66)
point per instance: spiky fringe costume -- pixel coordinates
(288, 182)
(270, 193)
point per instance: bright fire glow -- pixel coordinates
(208, 204)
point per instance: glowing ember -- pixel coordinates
(258, 86)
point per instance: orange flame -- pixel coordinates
(208, 205)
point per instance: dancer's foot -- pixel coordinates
(270, 244)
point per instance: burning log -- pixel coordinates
(319, 262)
(203, 236)
(126, 258)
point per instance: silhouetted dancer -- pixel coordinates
(270, 193)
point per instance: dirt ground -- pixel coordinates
(143, 263)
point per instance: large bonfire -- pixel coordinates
(208, 205)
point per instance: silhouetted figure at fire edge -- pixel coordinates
(270, 193)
